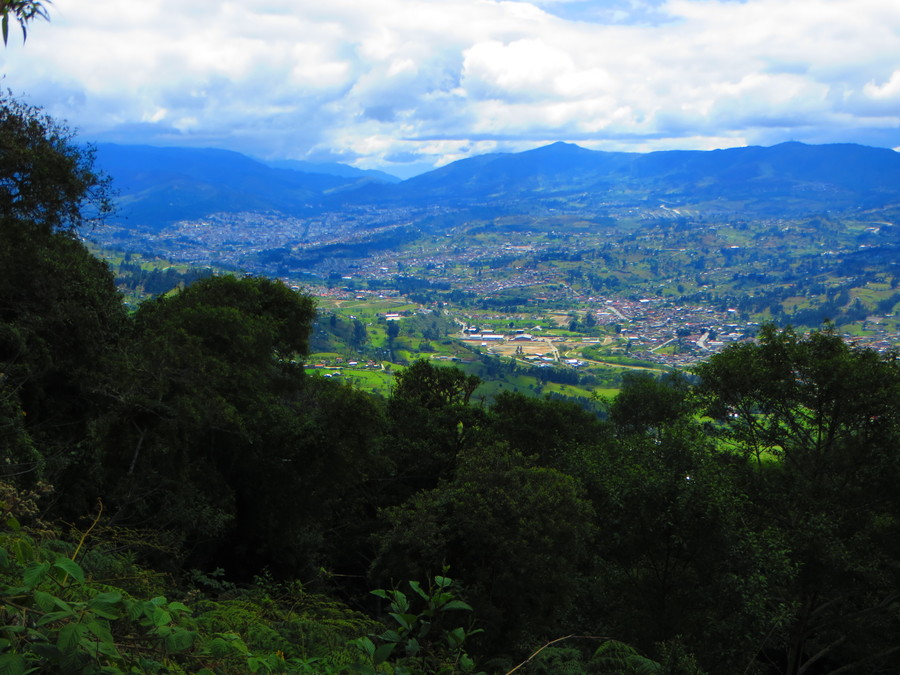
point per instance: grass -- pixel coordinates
(378, 382)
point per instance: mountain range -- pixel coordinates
(160, 186)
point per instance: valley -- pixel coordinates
(596, 260)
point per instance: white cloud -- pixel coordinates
(421, 82)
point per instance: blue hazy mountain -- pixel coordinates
(162, 185)
(158, 186)
(333, 169)
(787, 176)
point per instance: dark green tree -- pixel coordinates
(47, 182)
(559, 433)
(674, 558)
(434, 387)
(205, 411)
(817, 425)
(648, 404)
(59, 309)
(393, 330)
(360, 336)
(516, 535)
(430, 421)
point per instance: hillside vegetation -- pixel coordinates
(179, 495)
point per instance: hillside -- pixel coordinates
(159, 186)
(185, 491)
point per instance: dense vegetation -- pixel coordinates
(178, 496)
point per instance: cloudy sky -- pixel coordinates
(407, 85)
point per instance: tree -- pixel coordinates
(816, 426)
(23, 11)
(393, 330)
(359, 336)
(204, 394)
(430, 421)
(674, 557)
(517, 537)
(434, 387)
(47, 181)
(559, 433)
(646, 403)
(59, 309)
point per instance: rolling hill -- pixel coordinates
(159, 186)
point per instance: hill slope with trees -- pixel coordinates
(178, 496)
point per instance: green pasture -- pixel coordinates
(370, 380)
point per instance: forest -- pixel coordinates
(177, 496)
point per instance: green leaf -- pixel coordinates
(44, 601)
(443, 582)
(458, 604)
(219, 647)
(417, 587)
(135, 609)
(35, 574)
(108, 649)
(405, 620)
(70, 567)
(412, 647)
(69, 637)
(162, 631)
(4, 557)
(11, 664)
(255, 664)
(100, 629)
(180, 640)
(50, 617)
(236, 643)
(179, 607)
(106, 612)
(390, 636)
(456, 637)
(161, 618)
(381, 593)
(383, 652)
(106, 605)
(62, 605)
(23, 551)
(365, 645)
(424, 628)
(111, 597)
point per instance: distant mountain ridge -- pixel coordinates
(333, 169)
(163, 185)
(158, 186)
(839, 174)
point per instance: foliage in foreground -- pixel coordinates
(57, 615)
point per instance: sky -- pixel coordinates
(409, 85)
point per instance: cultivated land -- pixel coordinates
(571, 304)
(576, 268)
